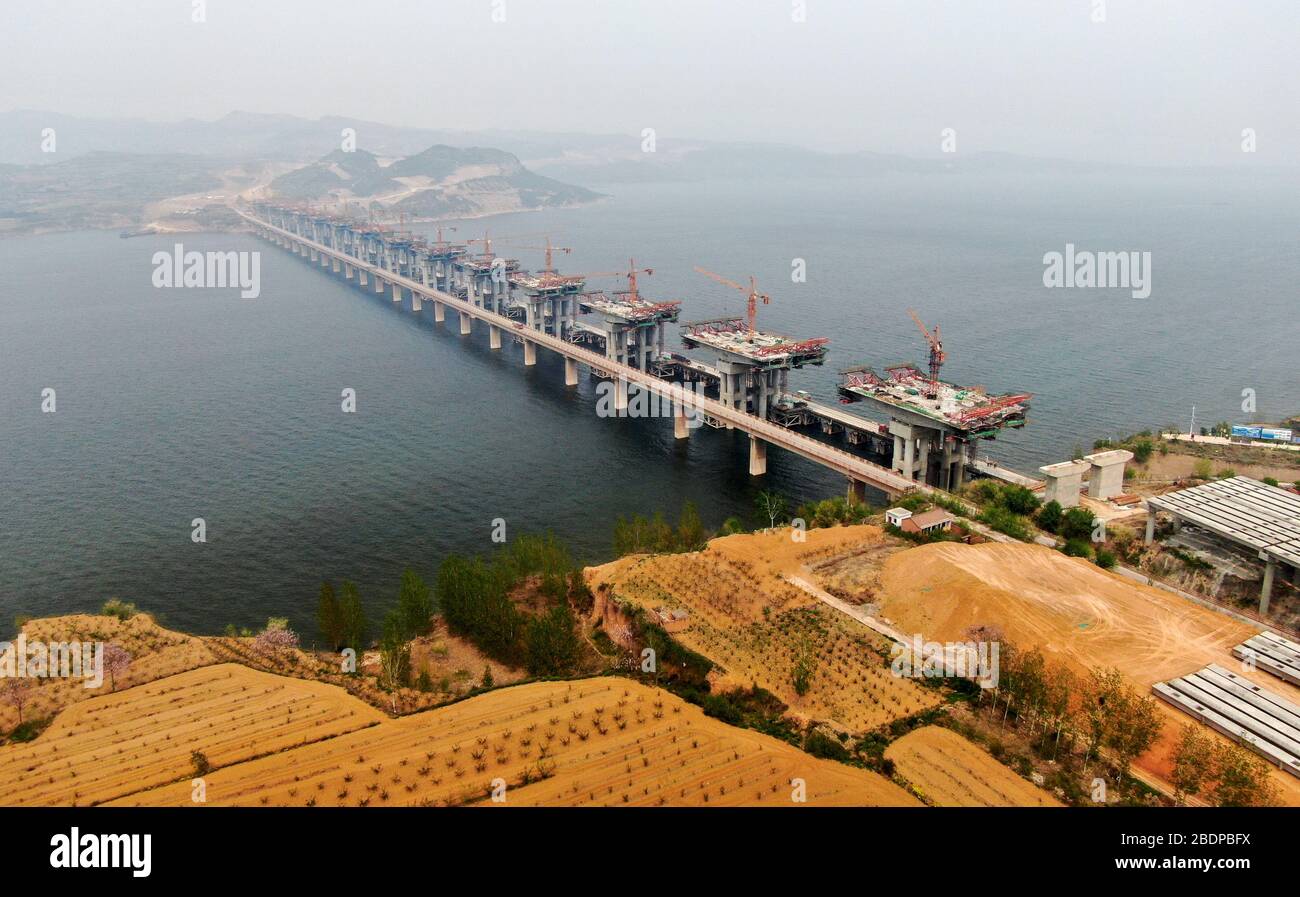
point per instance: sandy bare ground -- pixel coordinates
(598, 741)
(1075, 613)
(952, 772)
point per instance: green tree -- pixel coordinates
(1193, 763)
(394, 652)
(1049, 516)
(353, 624)
(487, 681)
(690, 531)
(805, 666)
(1137, 723)
(552, 643)
(414, 604)
(1243, 778)
(1019, 500)
(329, 617)
(1077, 523)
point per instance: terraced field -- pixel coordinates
(952, 772)
(155, 653)
(598, 741)
(116, 744)
(746, 617)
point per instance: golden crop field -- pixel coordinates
(116, 744)
(952, 772)
(747, 618)
(596, 741)
(155, 653)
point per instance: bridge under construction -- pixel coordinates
(749, 374)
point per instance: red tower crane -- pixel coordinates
(753, 295)
(937, 355)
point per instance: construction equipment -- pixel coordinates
(550, 252)
(937, 355)
(631, 273)
(752, 296)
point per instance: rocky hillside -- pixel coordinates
(441, 181)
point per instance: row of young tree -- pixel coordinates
(1111, 721)
(655, 535)
(343, 624)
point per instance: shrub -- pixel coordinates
(1077, 523)
(115, 607)
(1019, 500)
(1105, 558)
(1049, 516)
(1006, 522)
(1142, 450)
(1270, 481)
(1077, 548)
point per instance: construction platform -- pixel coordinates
(731, 338)
(904, 390)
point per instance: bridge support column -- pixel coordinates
(312, 253)
(416, 303)
(379, 285)
(337, 266)
(324, 261)
(348, 271)
(466, 324)
(1151, 525)
(439, 312)
(857, 492)
(757, 457)
(397, 291)
(681, 424)
(494, 337)
(570, 371)
(362, 278)
(620, 394)
(530, 353)
(1266, 591)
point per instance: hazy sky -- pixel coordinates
(1166, 81)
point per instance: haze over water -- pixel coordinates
(176, 404)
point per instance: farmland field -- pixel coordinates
(751, 621)
(952, 772)
(116, 744)
(596, 741)
(156, 652)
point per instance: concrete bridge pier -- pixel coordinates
(439, 311)
(416, 303)
(379, 285)
(324, 261)
(681, 425)
(494, 337)
(620, 394)
(857, 492)
(397, 291)
(312, 252)
(337, 266)
(466, 324)
(570, 371)
(348, 271)
(362, 277)
(757, 457)
(530, 354)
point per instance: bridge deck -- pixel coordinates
(828, 456)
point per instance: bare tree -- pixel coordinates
(16, 691)
(116, 661)
(772, 504)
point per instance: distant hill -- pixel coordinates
(440, 181)
(99, 190)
